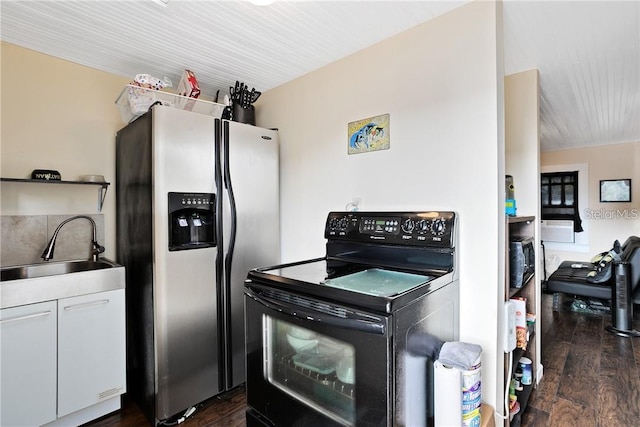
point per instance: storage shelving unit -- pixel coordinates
(517, 227)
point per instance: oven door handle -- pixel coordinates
(362, 324)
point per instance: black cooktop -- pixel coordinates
(376, 260)
(371, 288)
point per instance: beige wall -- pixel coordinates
(57, 115)
(522, 145)
(441, 83)
(605, 221)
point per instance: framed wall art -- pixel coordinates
(615, 190)
(371, 134)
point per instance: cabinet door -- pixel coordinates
(91, 350)
(28, 364)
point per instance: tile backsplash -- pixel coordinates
(23, 238)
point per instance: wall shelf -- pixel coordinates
(515, 291)
(102, 191)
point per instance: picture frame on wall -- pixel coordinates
(615, 190)
(370, 134)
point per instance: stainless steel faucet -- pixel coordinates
(96, 248)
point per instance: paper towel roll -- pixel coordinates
(447, 397)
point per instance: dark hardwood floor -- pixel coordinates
(226, 410)
(591, 376)
(591, 379)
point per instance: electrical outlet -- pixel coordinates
(509, 326)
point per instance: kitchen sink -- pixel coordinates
(53, 269)
(33, 283)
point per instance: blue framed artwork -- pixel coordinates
(371, 134)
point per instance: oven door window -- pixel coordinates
(316, 370)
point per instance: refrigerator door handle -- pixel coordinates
(228, 259)
(232, 205)
(219, 262)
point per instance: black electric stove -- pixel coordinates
(331, 341)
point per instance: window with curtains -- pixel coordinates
(559, 197)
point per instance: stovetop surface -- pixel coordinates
(355, 285)
(375, 281)
(365, 280)
(375, 260)
(313, 271)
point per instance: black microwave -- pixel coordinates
(522, 261)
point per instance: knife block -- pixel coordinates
(244, 115)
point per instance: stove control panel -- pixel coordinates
(429, 228)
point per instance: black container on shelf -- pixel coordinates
(46, 175)
(244, 114)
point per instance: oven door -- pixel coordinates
(313, 363)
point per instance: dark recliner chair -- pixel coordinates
(572, 277)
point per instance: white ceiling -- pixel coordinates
(588, 52)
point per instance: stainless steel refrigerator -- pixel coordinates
(197, 208)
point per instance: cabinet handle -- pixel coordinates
(28, 316)
(86, 304)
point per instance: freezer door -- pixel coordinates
(186, 316)
(251, 218)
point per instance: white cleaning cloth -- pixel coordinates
(460, 355)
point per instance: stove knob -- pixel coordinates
(408, 225)
(423, 226)
(438, 227)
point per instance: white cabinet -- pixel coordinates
(91, 350)
(62, 361)
(28, 364)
